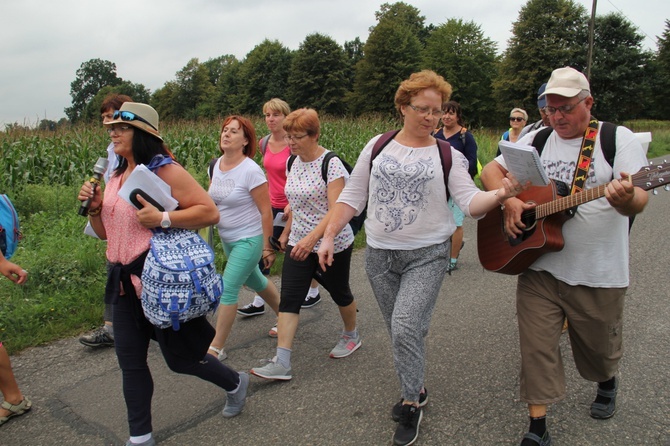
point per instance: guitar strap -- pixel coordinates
(585, 156)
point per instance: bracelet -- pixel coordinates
(271, 254)
(269, 250)
(95, 212)
(501, 203)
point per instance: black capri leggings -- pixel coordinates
(297, 276)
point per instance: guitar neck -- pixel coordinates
(570, 201)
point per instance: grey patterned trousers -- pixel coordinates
(406, 285)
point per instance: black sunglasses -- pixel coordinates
(129, 116)
(517, 119)
(275, 243)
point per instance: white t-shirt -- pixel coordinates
(231, 191)
(596, 238)
(308, 196)
(407, 201)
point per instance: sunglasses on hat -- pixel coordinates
(129, 116)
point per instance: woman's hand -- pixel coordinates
(268, 257)
(326, 252)
(149, 216)
(12, 271)
(87, 192)
(303, 248)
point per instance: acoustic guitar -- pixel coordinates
(543, 233)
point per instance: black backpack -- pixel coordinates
(357, 221)
(607, 140)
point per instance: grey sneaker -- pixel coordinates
(235, 401)
(149, 442)
(345, 346)
(99, 338)
(273, 370)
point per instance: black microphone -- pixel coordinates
(98, 171)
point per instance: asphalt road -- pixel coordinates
(472, 373)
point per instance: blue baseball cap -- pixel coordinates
(541, 100)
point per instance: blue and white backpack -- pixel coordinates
(179, 278)
(10, 232)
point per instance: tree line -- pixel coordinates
(358, 77)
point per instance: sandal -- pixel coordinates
(16, 409)
(601, 411)
(273, 331)
(544, 441)
(220, 352)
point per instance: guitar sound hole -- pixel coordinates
(528, 219)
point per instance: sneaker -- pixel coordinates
(99, 338)
(250, 310)
(235, 401)
(220, 352)
(311, 301)
(149, 442)
(345, 346)
(397, 409)
(273, 370)
(408, 427)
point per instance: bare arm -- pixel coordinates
(196, 208)
(261, 197)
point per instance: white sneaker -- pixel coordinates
(220, 352)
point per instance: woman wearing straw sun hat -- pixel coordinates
(137, 140)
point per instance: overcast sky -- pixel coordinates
(43, 43)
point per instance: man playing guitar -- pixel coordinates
(587, 279)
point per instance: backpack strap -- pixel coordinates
(212, 164)
(159, 161)
(444, 149)
(607, 140)
(289, 162)
(264, 144)
(324, 165)
(541, 138)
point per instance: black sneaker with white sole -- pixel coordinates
(99, 338)
(408, 426)
(397, 409)
(250, 310)
(311, 301)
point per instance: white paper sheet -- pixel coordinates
(144, 179)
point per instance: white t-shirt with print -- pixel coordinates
(596, 238)
(308, 197)
(231, 191)
(406, 197)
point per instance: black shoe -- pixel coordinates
(249, 310)
(408, 427)
(311, 301)
(99, 338)
(397, 409)
(530, 438)
(601, 409)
